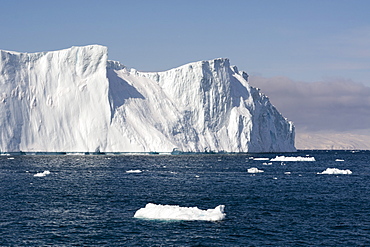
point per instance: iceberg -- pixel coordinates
(42, 174)
(298, 158)
(335, 171)
(254, 170)
(77, 101)
(133, 171)
(261, 159)
(174, 212)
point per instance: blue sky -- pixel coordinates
(303, 40)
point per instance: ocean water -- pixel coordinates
(91, 200)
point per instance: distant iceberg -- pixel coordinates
(170, 212)
(335, 171)
(133, 171)
(261, 159)
(42, 174)
(254, 170)
(298, 158)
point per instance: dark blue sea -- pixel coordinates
(90, 200)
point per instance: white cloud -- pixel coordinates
(332, 105)
(332, 114)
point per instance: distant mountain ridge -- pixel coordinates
(76, 100)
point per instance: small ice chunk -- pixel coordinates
(267, 164)
(170, 212)
(133, 171)
(339, 160)
(261, 159)
(42, 174)
(254, 170)
(335, 171)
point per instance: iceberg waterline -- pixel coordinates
(76, 100)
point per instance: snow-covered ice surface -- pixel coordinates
(174, 212)
(76, 100)
(298, 158)
(335, 171)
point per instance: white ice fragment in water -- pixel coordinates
(42, 174)
(261, 159)
(174, 212)
(298, 158)
(254, 170)
(339, 160)
(133, 171)
(267, 164)
(335, 171)
(287, 173)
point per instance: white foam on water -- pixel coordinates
(175, 212)
(254, 170)
(298, 158)
(335, 171)
(133, 171)
(42, 174)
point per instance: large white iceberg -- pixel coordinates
(174, 212)
(76, 100)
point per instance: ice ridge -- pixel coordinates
(76, 100)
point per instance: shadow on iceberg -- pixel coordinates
(120, 90)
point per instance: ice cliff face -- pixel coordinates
(75, 100)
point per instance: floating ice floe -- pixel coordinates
(174, 212)
(339, 160)
(261, 159)
(133, 171)
(298, 158)
(267, 164)
(254, 170)
(335, 171)
(42, 174)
